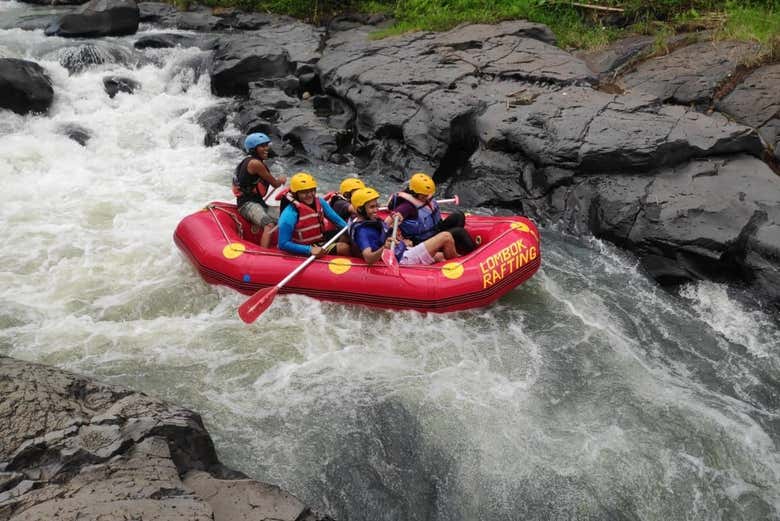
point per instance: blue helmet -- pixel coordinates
(254, 140)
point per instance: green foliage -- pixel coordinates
(751, 22)
(575, 26)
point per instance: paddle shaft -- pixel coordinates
(311, 258)
(455, 200)
(271, 192)
(395, 234)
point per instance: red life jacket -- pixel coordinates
(310, 227)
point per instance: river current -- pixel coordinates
(587, 393)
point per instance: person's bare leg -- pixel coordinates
(441, 242)
(343, 248)
(265, 240)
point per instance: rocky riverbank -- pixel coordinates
(669, 156)
(74, 448)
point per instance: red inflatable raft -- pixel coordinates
(224, 248)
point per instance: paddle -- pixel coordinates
(455, 200)
(270, 198)
(254, 306)
(388, 256)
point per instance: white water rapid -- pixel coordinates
(587, 393)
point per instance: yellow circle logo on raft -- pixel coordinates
(339, 265)
(523, 228)
(233, 250)
(452, 270)
(520, 226)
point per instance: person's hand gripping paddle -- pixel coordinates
(254, 306)
(388, 256)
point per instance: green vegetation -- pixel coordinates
(577, 24)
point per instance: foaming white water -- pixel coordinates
(753, 329)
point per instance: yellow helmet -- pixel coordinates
(351, 183)
(422, 184)
(302, 181)
(361, 196)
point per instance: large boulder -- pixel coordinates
(691, 74)
(98, 18)
(756, 102)
(24, 86)
(419, 94)
(205, 19)
(594, 132)
(275, 52)
(240, 61)
(55, 2)
(707, 219)
(504, 118)
(116, 84)
(72, 448)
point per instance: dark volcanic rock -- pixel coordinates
(205, 19)
(611, 59)
(237, 62)
(72, 448)
(690, 74)
(115, 84)
(55, 2)
(756, 102)
(161, 41)
(77, 133)
(156, 13)
(98, 18)
(275, 52)
(505, 119)
(213, 120)
(595, 132)
(714, 219)
(24, 86)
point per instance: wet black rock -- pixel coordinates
(77, 448)
(24, 86)
(115, 84)
(76, 132)
(98, 18)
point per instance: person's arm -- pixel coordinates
(342, 207)
(331, 215)
(258, 168)
(406, 209)
(287, 221)
(366, 240)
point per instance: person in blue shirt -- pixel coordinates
(308, 221)
(370, 235)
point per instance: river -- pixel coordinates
(587, 393)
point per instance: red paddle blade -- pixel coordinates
(254, 306)
(388, 257)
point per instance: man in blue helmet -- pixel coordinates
(251, 182)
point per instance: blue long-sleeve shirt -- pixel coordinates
(289, 218)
